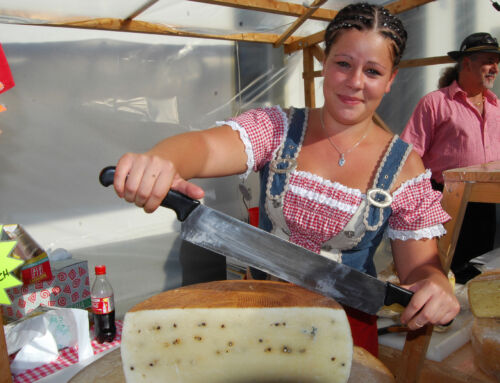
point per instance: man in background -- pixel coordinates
(458, 125)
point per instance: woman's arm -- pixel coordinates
(144, 179)
(419, 269)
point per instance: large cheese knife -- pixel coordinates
(231, 237)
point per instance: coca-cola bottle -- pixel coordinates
(103, 306)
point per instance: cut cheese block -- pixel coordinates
(484, 294)
(485, 341)
(237, 331)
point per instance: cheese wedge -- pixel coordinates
(484, 294)
(237, 331)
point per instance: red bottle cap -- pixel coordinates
(100, 270)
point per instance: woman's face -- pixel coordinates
(357, 73)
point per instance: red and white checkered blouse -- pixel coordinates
(317, 209)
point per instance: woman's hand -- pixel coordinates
(433, 302)
(419, 269)
(145, 179)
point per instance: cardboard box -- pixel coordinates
(69, 287)
(36, 267)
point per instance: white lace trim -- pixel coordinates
(428, 232)
(322, 199)
(328, 183)
(246, 141)
(413, 181)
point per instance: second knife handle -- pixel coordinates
(397, 294)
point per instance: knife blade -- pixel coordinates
(231, 237)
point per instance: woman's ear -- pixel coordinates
(391, 80)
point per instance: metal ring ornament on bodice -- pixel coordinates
(372, 193)
(292, 164)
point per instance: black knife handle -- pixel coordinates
(107, 176)
(178, 202)
(396, 294)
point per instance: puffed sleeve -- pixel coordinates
(416, 210)
(261, 131)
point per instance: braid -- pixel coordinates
(364, 16)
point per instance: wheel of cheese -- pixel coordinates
(237, 331)
(485, 341)
(484, 294)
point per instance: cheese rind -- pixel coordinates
(484, 294)
(270, 344)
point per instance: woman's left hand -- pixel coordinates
(433, 302)
(419, 269)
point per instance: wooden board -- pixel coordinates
(108, 369)
(459, 367)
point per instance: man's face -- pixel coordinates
(484, 67)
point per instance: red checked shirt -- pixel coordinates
(449, 132)
(317, 209)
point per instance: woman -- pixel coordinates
(332, 180)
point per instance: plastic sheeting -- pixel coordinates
(83, 98)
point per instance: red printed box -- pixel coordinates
(69, 287)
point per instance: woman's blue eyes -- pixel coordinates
(374, 72)
(370, 71)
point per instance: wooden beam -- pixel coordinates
(302, 43)
(318, 53)
(297, 23)
(425, 61)
(309, 91)
(5, 375)
(413, 355)
(454, 202)
(118, 25)
(272, 6)
(140, 10)
(401, 6)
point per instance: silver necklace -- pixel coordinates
(342, 154)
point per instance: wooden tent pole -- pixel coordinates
(308, 75)
(5, 376)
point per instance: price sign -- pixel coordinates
(7, 265)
